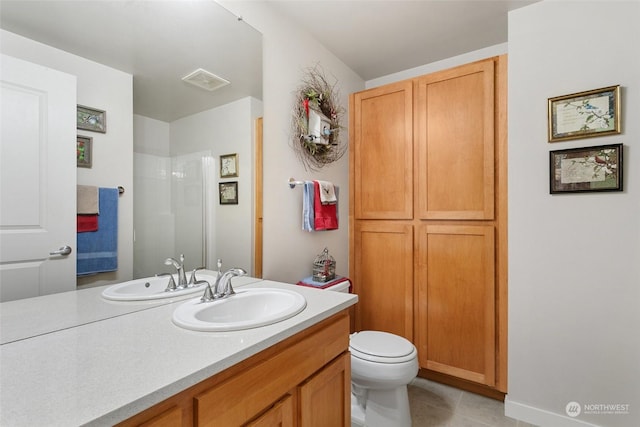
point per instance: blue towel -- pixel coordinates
(98, 250)
(307, 207)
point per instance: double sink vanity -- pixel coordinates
(103, 356)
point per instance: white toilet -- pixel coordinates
(382, 364)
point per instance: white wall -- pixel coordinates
(106, 89)
(574, 275)
(287, 51)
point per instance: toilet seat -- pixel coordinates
(381, 347)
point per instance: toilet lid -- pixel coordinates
(381, 347)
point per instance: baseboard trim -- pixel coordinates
(540, 417)
(462, 384)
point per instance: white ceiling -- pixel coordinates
(376, 38)
(159, 42)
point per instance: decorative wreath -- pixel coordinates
(317, 104)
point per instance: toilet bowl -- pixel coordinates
(382, 364)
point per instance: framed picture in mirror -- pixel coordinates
(229, 166)
(228, 193)
(83, 151)
(91, 119)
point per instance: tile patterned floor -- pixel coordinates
(437, 405)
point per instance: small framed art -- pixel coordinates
(228, 193)
(91, 119)
(229, 166)
(84, 151)
(586, 169)
(584, 114)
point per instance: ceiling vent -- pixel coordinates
(205, 80)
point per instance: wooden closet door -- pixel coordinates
(381, 152)
(456, 304)
(455, 133)
(383, 277)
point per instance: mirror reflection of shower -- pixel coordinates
(173, 210)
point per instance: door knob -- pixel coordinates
(65, 250)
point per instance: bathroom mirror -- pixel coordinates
(156, 41)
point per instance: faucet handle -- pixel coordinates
(208, 293)
(192, 279)
(172, 283)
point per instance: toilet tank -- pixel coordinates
(340, 287)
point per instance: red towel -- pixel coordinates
(87, 223)
(325, 215)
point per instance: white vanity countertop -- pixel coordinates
(27, 318)
(103, 372)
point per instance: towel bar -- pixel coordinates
(120, 189)
(293, 183)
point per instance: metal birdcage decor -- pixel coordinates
(324, 267)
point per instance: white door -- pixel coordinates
(37, 179)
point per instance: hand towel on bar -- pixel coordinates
(87, 223)
(325, 216)
(88, 201)
(98, 250)
(327, 193)
(307, 206)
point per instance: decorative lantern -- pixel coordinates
(324, 267)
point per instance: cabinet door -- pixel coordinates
(280, 415)
(170, 418)
(382, 152)
(325, 399)
(456, 301)
(383, 276)
(455, 132)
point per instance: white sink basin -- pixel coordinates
(151, 288)
(248, 308)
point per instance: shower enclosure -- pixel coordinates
(173, 211)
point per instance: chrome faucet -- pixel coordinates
(179, 266)
(172, 284)
(222, 288)
(193, 280)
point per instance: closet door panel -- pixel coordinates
(455, 132)
(383, 277)
(456, 314)
(382, 153)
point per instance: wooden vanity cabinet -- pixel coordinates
(304, 381)
(428, 218)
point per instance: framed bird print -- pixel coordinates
(586, 169)
(585, 114)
